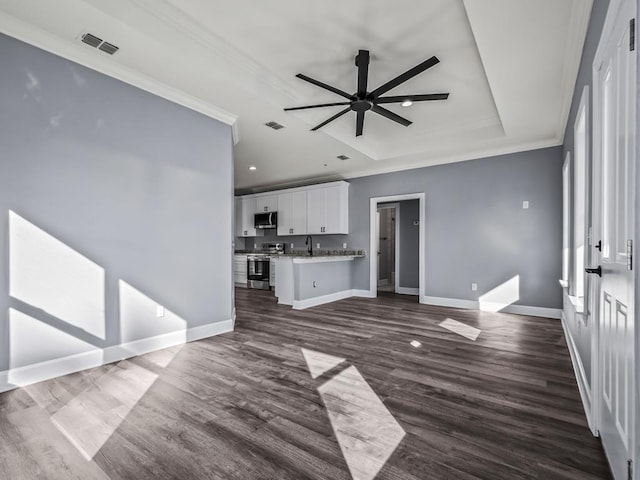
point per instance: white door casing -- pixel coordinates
(373, 241)
(613, 224)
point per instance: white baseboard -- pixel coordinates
(475, 305)
(312, 302)
(408, 291)
(580, 374)
(449, 302)
(533, 311)
(20, 377)
(364, 293)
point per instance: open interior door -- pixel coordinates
(613, 210)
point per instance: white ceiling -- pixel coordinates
(509, 66)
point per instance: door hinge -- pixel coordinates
(630, 469)
(632, 34)
(629, 254)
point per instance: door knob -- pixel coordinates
(597, 270)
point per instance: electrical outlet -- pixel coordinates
(525, 204)
(474, 287)
(159, 311)
(292, 246)
(255, 245)
(344, 245)
(317, 245)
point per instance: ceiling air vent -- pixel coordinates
(108, 48)
(96, 42)
(91, 40)
(274, 125)
(342, 157)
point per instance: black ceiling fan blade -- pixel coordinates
(362, 62)
(413, 98)
(359, 123)
(339, 114)
(317, 106)
(324, 85)
(403, 77)
(391, 116)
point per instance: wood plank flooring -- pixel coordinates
(245, 406)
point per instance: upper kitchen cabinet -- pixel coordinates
(328, 209)
(266, 203)
(292, 213)
(245, 211)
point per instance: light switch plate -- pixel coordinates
(525, 204)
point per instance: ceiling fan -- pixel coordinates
(363, 100)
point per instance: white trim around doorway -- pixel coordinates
(373, 244)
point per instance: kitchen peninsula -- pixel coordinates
(304, 281)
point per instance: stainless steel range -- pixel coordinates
(258, 265)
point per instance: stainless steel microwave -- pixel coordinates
(266, 220)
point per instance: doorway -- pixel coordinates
(613, 235)
(388, 220)
(395, 268)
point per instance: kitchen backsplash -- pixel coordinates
(327, 242)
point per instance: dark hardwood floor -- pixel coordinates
(245, 406)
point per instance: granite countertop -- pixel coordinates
(316, 253)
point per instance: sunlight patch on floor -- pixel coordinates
(319, 363)
(91, 417)
(460, 328)
(366, 431)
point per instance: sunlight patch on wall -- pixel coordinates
(366, 431)
(502, 296)
(142, 317)
(319, 363)
(33, 341)
(49, 275)
(91, 417)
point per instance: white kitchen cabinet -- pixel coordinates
(240, 270)
(328, 209)
(245, 211)
(292, 213)
(266, 203)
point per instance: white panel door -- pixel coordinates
(614, 165)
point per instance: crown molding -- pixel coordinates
(77, 53)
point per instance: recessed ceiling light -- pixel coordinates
(253, 167)
(407, 103)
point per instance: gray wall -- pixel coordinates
(409, 244)
(120, 200)
(476, 229)
(330, 278)
(581, 331)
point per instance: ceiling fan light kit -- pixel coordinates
(364, 100)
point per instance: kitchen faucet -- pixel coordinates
(309, 241)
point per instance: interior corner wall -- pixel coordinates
(115, 216)
(476, 228)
